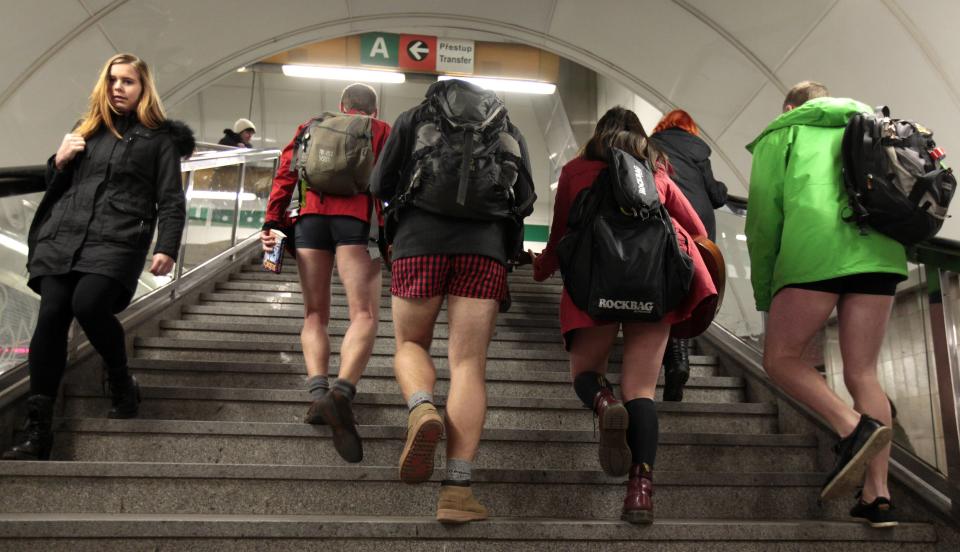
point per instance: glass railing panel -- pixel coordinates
(211, 212)
(257, 182)
(18, 304)
(738, 313)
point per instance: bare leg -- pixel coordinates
(413, 321)
(590, 349)
(316, 269)
(795, 317)
(361, 280)
(863, 323)
(471, 328)
(643, 346)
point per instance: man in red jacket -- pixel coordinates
(333, 228)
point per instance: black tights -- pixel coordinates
(91, 299)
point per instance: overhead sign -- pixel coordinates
(379, 49)
(417, 52)
(455, 56)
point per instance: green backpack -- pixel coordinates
(334, 154)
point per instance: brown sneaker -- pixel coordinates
(424, 430)
(313, 414)
(614, 453)
(458, 505)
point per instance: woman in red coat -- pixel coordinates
(628, 430)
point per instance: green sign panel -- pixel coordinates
(379, 49)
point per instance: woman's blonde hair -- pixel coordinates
(150, 111)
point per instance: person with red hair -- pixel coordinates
(678, 136)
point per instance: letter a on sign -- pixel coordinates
(379, 49)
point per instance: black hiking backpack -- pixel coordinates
(620, 258)
(465, 160)
(893, 177)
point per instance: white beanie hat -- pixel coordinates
(242, 125)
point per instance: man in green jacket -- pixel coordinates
(805, 261)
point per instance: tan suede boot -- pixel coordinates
(458, 505)
(424, 431)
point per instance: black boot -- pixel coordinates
(124, 398)
(38, 440)
(676, 369)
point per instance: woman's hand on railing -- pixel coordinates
(161, 265)
(72, 145)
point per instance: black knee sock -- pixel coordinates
(643, 430)
(587, 385)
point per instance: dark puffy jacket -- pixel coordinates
(231, 138)
(99, 212)
(690, 159)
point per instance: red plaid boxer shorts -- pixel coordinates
(473, 276)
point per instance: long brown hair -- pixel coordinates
(150, 111)
(621, 128)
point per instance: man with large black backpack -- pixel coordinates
(456, 178)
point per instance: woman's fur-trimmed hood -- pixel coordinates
(182, 136)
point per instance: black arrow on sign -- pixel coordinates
(418, 50)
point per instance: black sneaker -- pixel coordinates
(878, 513)
(854, 452)
(336, 411)
(313, 414)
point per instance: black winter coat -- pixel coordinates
(231, 138)
(690, 159)
(99, 212)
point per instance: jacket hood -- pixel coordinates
(182, 136)
(676, 138)
(822, 112)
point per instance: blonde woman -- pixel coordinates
(113, 179)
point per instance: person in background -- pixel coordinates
(240, 135)
(678, 136)
(332, 229)
(628, 429)
(807, 261)
(115, 177)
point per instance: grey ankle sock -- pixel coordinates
(419, 397)
(317, 386)
(345, 387)
(458, 470)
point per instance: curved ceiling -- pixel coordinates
(728, 63)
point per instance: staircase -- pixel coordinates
(219, 457)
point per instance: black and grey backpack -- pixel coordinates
(894, 179)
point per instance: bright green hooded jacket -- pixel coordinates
(795, 231)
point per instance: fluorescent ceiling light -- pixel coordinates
(507, 85)
(741, 237)
(13, 244)
(553, 156)
(554, 185)
(232, 196)
(343, 73)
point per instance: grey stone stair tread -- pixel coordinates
(295, 294)
(298, 396)
(138, 526)
(273, 429)
(336, 299)
(266, 312)
(381, 346)
(156, 470)
(492, 374)
(338, 327)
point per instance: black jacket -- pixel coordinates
(231, 138)
(99, 212)
(419, 232)
(690, 159)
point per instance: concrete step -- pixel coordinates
(103, 440)
(267, 313)
(500, 383)
(160, 488)
(295, 533)
(289, 406)
(340, 299)
(252, 330)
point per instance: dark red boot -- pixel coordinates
(614, 453)
(638, 506)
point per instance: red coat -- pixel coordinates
(579, 174)
(285, 181)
